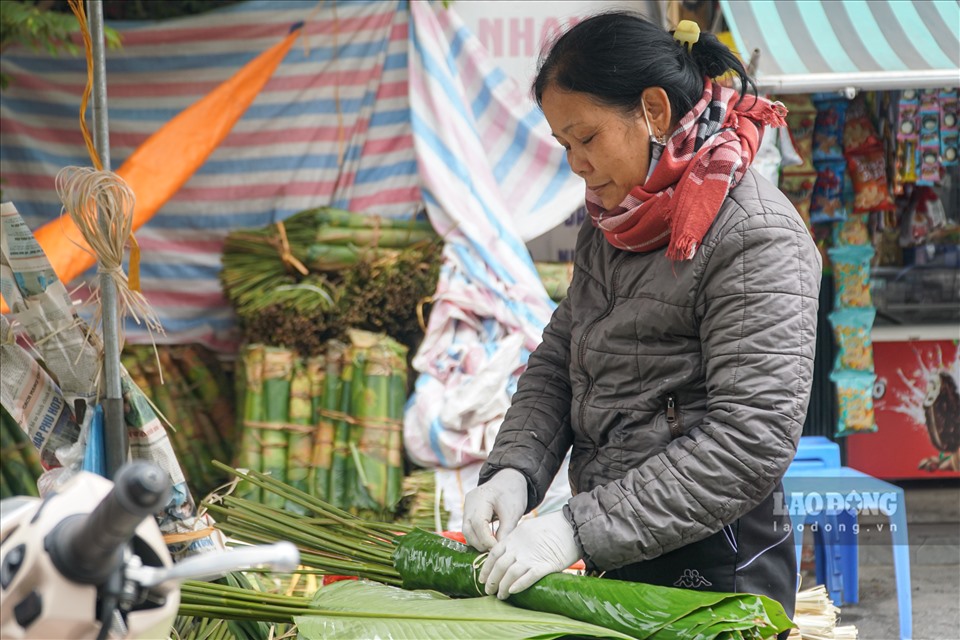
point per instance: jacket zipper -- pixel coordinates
(676, 427)
(583, 349)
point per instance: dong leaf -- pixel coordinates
(361, 609)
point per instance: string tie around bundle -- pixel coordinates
(101, 204)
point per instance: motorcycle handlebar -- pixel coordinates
(88, 548)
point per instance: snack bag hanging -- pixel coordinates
(854, 401)
(828, 129)
(851, 332)
(851, 275)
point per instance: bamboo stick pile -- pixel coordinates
(19, 461)
(329, 425)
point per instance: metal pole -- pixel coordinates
(115, 431)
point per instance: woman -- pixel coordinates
(680, 364)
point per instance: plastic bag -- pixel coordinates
(851, 331)
(854, 401)
(852, 231)
(827, 202)
(828, 130)
(851, 275)
(868, 172)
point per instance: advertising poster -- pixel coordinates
(917, 410)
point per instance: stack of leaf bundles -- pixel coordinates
(305, 280)
(330, 425)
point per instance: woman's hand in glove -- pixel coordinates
(537, 547)
(503, 498)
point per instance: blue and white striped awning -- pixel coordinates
(823, 45)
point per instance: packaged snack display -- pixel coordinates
(854, 401)
(908, 125)
(798, 187)
(851, 333)
(828, 130)
(948, 127)
(852, 231)
(827, 200)
(851, 275)
(801, 117)
(928, 146)
(859, 134)
(868, 171)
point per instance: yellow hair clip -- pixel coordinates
(687, 33)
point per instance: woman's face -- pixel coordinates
(610, 150)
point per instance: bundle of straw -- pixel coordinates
(816, 617)
(101, 204)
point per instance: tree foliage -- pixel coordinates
(36, 26)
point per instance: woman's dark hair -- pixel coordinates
(614, 56)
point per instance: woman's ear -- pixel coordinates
(657, 105)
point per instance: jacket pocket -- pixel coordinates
(673, 416)
(639, 437)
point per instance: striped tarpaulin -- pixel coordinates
(332, 126)
(491, 176)
(873, 44)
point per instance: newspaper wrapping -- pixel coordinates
(44, 406)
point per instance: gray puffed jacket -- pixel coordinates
(681, 386)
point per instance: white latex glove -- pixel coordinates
(503, 498)
(537, 547)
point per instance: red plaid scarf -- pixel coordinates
(704, 158)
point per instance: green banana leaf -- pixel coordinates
(361, 609)
(429, 561)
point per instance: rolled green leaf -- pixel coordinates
(277, 372)
(300, 430)
(429, 561)
(250, 446)
(342, 463)
(368, 432)
(397, 404)
(322, 455)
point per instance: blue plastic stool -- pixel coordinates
(818, 449)
(837, 566)
(831, 498)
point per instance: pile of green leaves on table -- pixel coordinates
(416, 584)
(329, 425)
(307, 279)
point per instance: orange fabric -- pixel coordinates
(167, 159)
